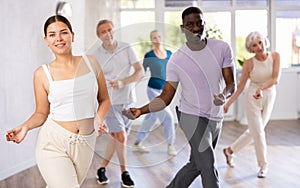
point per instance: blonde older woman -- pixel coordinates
(263, 70)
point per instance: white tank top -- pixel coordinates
(262, 71)
(73, 99)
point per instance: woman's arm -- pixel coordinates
(247, 67)
(276, 72)
(42, 109)
(103, 97)
(275, 76)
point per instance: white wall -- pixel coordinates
(22, 50)
(85, 17)
(298, 92)
(288, 96)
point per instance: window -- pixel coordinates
(219, 22)
(216, 3)
(287, 3)
(288, 37)
(135, 29)
(128, 4)
(173, 36)
(253, 3)
(277, 19)
(258, 22)
(180, 3)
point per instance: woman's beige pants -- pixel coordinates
(258, 114)
(63, 157)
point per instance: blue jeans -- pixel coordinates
(165, 117)
(202, 135)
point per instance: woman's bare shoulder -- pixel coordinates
(248, 65)
(94, 63)
(39, 72)
(275, 55)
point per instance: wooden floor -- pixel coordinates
(156, 169)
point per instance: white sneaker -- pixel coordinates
(262, 173)
(171, 150)
(140, 148)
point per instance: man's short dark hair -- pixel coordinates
(191, 10)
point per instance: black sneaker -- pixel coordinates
(101, 178)
(126, 180)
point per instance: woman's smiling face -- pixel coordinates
(59, 38)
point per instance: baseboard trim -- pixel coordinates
(16, 169)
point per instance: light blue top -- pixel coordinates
(157, 68)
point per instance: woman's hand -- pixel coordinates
(102, 129)
(226, 107)
(17, 134)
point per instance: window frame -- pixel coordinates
(271, 9)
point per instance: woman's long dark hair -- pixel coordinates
(56, 18)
